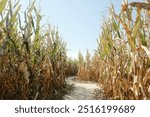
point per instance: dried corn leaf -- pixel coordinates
(146, 50)
(140, 5)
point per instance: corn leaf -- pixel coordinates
(146, 50)
(2, 5)
(14, 16)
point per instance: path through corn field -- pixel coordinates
(82, 90)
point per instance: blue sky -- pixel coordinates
(78, 21)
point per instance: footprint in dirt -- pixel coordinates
(82, 90)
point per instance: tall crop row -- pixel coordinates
(32, 56)
(123, 61)
(88, 68)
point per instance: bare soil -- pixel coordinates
(79, 90)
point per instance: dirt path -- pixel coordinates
(82, 90)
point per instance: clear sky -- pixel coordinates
(78, 21)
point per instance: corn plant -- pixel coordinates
(32, 55)
(87, 68)
(122, 66)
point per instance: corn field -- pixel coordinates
(71, 67)
(34, 61)
(32, 56)
(121, 64)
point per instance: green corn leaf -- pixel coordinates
(2, 5)
(135, 29)
(14, 16)
(16, 4)
(31, 7)
(3, 21)
(143, 39)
